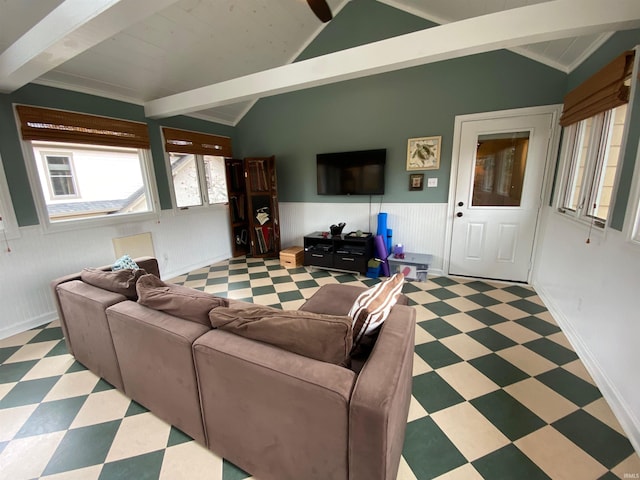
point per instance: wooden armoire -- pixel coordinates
(253, 207)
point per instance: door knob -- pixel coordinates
(459, 214)
(460, 204)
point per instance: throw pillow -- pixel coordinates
(322, 337)
(120, 281)
(372, 306)
(124, 262)
(183, 302)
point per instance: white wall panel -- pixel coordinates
(591, 289)
(185, 242)
(182, 242)
(420, 227)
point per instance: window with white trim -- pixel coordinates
(85, 167)
(198, 179)
(634, 200)
(635, 234)
(197, 167)
(594, 118)
(591, 150)
(60, 174)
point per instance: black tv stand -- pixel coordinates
(347, 252)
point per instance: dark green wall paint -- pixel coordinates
(383, 111)
(618, 43)
(10, 147)
(14, 166)
(358, 23)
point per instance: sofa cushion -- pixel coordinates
(338, 298)
(120, 281)
(323, 337)
(372, 306)
(183, 302)
(124, 262)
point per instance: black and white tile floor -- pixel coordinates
(498, 393)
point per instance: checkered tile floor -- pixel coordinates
(498, 393)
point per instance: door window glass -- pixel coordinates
(499, 170)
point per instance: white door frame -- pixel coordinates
(550, 161)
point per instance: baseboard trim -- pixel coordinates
(195, 266)
(628, 421)
(28, 324)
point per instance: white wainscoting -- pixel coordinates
(592, 291)
(420, 227)
(183, 241)
(186, 241)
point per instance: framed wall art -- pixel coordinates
(416, 181)
(423, 153)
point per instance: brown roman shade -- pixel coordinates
(60, 126)
(184, 141)
(604, 90)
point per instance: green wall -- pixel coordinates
(38, 95)
(385, 110)
(380, 111)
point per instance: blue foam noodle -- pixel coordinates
(382, 224)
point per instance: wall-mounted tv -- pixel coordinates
(351, 173)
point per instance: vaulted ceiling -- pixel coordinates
(141, 51)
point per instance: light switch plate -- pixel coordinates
(432, 182)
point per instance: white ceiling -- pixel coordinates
(195, 43)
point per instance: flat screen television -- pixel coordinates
(351, 173)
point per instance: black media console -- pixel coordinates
(349, 252)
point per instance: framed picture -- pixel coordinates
(416, 181)
(423, 153)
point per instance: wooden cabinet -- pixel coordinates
(253, 206)
(348, 252)
(238, 216)
(262, 206)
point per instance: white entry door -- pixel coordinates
(498, 195)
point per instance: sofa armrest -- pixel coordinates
(149, 264)
(380, 401)
(56, 299)
(273, 413)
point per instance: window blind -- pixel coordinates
(61, 126)
(184, 141)
(606, 89)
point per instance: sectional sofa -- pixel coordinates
(276, 414)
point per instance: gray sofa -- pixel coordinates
(276, 414)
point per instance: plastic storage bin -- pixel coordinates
(414, 266)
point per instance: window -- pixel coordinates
(188, 172)
(635, 233)
(88, 167)
(594, 118)
(592, 151)
(60, 173)
(634, 200)
(198, 175)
